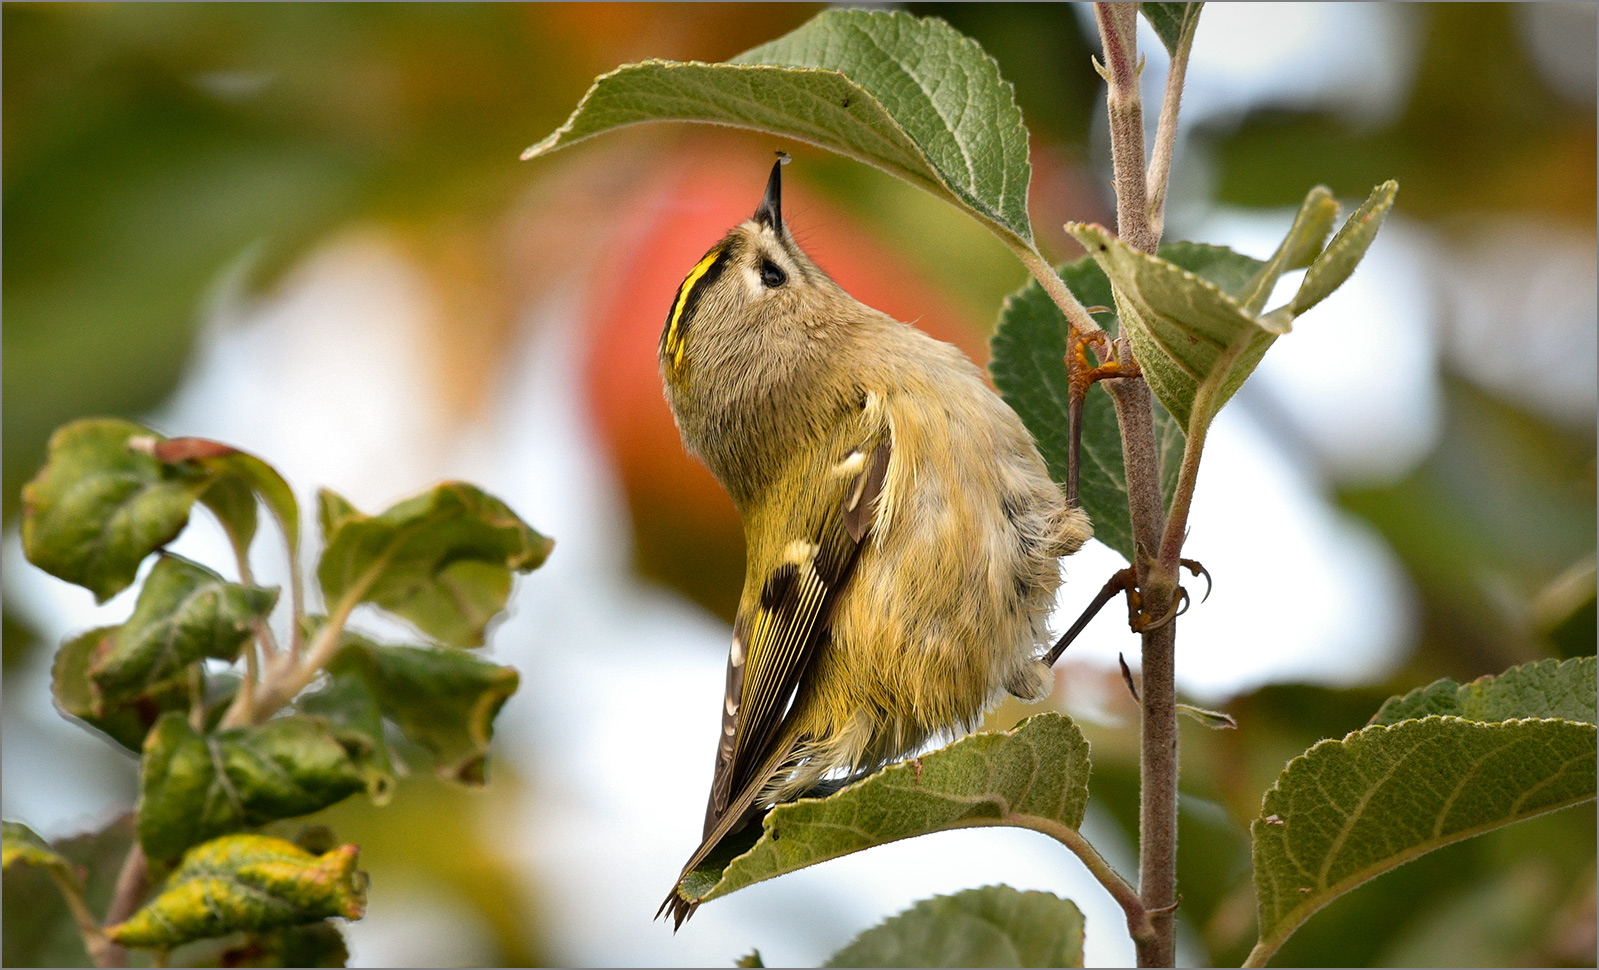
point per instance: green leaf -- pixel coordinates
(1028, 364)
(246, 882)
(994, 926)
(100, 505)
(125, 721)
(194, 787)
(185, 612)
(232, 502)
(1565, 689)
(1348, 810)
(750, 959)
(1329, 270)
(911, 96)
(442, 560)
(443, 700)
(333, 510)
(235, 477)
(1305, 240)
(1215, 720)
(1172, 21)
(350, 709)
(1035, 776)
(20, 846)
(1195, 339)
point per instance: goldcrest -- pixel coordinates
(901, 531)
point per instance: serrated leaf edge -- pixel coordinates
(1032, 822)
(1296, 916)
(997, 221)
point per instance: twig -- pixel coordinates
(101, 950)
(1118, 32)
(1166, 130)
(281, 681)
(132, 882)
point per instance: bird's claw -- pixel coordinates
(1142, 622)
(1198, 569)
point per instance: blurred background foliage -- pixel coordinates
(159, 158)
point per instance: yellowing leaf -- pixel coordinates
(246, 882)
(20, 846)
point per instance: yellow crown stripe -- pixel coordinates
(674, 342)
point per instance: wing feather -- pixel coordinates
(778, 632)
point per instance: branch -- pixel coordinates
(1118, 32)
(1139, 217)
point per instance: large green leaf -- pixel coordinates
(1348, 810)
(911, 96)
(1545, 688)
(994, 926)
(1028, 364)
(442, 560)
(1035, 776)
(185, 612)
(444, 700)
(194, 787)
(246, 882)
(101, 505)
(1196, 341)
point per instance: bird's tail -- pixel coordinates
(737, 813)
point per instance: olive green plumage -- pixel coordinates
(902, 534)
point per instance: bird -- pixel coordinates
(902, 533)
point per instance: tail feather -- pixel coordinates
(732, 818)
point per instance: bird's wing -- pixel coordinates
(776, 635)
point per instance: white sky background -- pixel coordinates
(617, 712)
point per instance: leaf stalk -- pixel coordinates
(1139, 926)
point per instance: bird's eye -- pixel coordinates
(772, 275)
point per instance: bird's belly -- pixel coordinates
(917, 653)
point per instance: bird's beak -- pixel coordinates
(770, 212)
